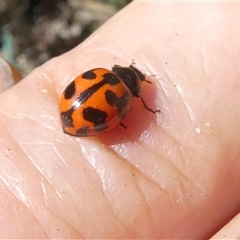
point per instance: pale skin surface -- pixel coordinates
(168, 175)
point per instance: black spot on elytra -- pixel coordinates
(70, 91)
(89, 75)
(108, 78)
(66, 118)
(83, 131)
(94, 115)
(119, 102)
(111, 79)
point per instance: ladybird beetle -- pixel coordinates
(97, 100)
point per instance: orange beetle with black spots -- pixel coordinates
(98, 100)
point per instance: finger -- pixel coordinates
(145, 181)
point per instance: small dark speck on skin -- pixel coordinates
(133, 175)
(8, 151)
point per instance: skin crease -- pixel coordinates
(169, 175)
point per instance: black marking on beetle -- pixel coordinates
(89, 75)
(83, 131)
(108, 78)
(70, 91)
(66, 118)
(119, 102)
(131, 76)
(111, 78)
(138, 72)
(94, 115)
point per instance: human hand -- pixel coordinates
(169, 175)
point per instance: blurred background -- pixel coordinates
(33, 31)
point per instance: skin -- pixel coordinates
(168, 175)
